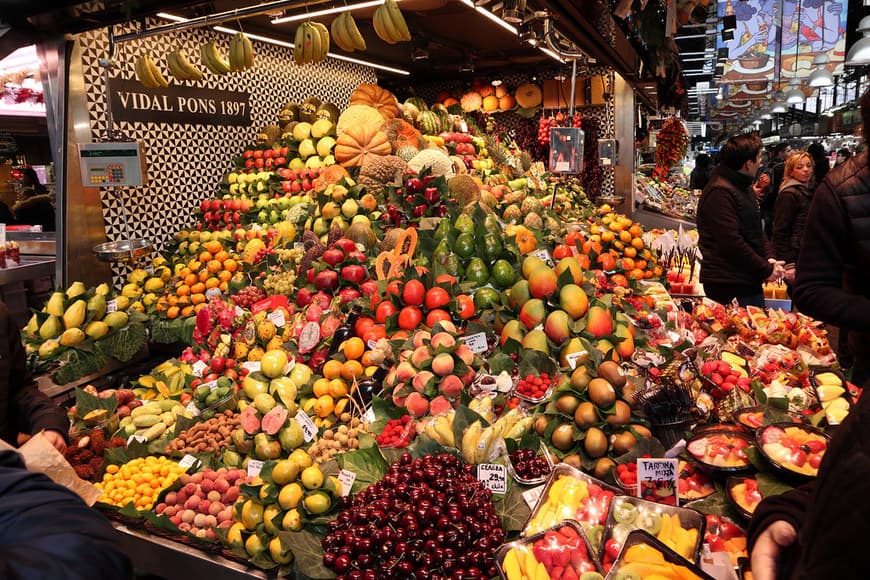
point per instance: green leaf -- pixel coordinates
(85, 403)
(423, 446)
(535, 362)
(384, 411)
(369, 465)
(775, 414)
(716, 504)
(512, 509)
(307, 553)
(462, 419)
(770, 485)
(78, 364)
(500, 362)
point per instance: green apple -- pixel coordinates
(307, 148)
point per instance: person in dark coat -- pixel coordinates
(34, 206)
(792, 207)
(843, 155)
(701, 173)
(734, 262)
(819, 530)
(820, 158)
(48, 532)
(23, 407)
(775, 171)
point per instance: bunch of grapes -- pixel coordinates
(290, 254)
(280, 282)
(248, 296)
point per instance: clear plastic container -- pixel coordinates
(642, 555)
(564, 545)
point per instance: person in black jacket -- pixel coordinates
(24, 409)
(48, 532)
(34, 206)
(775, 171)
(734, 262)
(792, 207)
(822, 164)
(700, 175)
(819, 530)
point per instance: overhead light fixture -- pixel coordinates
(497, 83)
(729, 23)
(778, 103)
(285, 44)
(510, 28)
(513, 11)
(794, 96)
(327, 11)
(859, 54)
(821, 76)
(527, 32)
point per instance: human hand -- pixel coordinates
(788, 275)
(765, 554)
(778, 270)
(56, 439)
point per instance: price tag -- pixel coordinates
(544, 254)
(264, 304)
(198, 368)
(477, 342)
(372, 344)
(574, 357)
(493, 476)
(255, 466)
(346, 478)
(139, 438)
(212, 293)
(192, 409)
(252, 365)
(309, 430)
(290, 364)
(531, 496)
(212, 385)
(657, 477)
(309, 337)
(112, 305)
(239, 311)
(187, 461)
(369, 416)
(277, 318)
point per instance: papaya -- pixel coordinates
(103, 289)
(116, 319)
(76, 289)
(54, 306)
(51, 328)
(75, 314)
(72, 337)
(32, 326)
(95, 417)
(97, 329)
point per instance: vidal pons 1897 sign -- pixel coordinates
(178, 104)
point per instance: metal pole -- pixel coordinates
(573, 87)
(107, 64)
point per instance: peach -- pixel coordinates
(184, 479)
(443, 340)
(190, 489)
(175, 520)
(419, 382)
(203, 506)
(161, 507)
(420, 338)
(228, 523)
(447, 326)
(439, 405)
(464, 353)
(450, 386)
(420, 356)
(416, 404)
(181, 497)
(467, 377)
(206, 486)
(231, 495)
(187, 516)
(442, 365)
(199, 520)
(210, 521)
(226, 515)
(405, 372)
(170, 498)
(209, 533)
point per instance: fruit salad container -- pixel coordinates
(561, 547)
(226, 401)
(721, 450)
(723, 535)
(744, 494)
(794, 450)
(679, 528)
(694, 483)
(644, 556)
(107, 426)
(535, 389)
(570, 494)
(832, 391)
(530, 467)
(750, 418)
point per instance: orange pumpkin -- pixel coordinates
(378, 97)
(526, 241)
(450, 101)
(506, 103)
(352, 147)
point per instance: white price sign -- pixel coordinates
(493, 476)
(477, 342)
(112, 305)
(255, 466)
(192, 409)
(309, 429)
(252, 365)
(277, 318)
(198, 368)
(139, 438)
(531, 496)
(289, 367)
(574, 357)
(212, 385)
(544, 255)
(238, 311)
(372, 344)
(369, 416)
(346, 478)
(187, 461)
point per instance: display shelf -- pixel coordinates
(653, 220)
(61, 393)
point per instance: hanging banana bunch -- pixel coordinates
(241, 52)
(181, 68)
(148, 74)
(213, 60)
(311, 43)
(346, 34)
(389, 23)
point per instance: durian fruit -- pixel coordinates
(464, 188)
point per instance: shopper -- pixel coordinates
(731, 240)
(843, 155)
(701, 173)
(815, 531)
(792, 207)
(23, 408)
(34, 206)
(48, 532)
(823, 165)
(775, 170)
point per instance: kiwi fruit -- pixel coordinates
(623, 442)
(610, 371)
(642, 430)
(621, 414)
(562, 437)
(586, 415)
(580, 379)
(573, 460)
(567, 404)
(540, 425)
(603, 467)
(602, 393)
(595, 444)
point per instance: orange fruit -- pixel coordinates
(213, 246)
(351, 369)
(320, 387)
(230, 265)
(187, 311)
(197, 299)
(637, 243)
(224, 276)
(640, 264)
(172, 312)
(214, 266)
(198, 288)
(172, 300)
(205, 256)
(221, 255)
(203, 275)
(332, 369)
(625, 236)
(183, 290)
(366, 359)
(353, 348)
(607, 237)
(636, 230)
(194, 265)
(636, 274)
(183, 300)
(627, 264)
(338, 388)
(223, 286)
(184, 272)
(212, 283)
(630, 252)
(190, 279)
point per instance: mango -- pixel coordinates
(598, 322)
(51, 328)
(117, 319)
(72, 337)
(54, 306)
(97, 329)
(573, 300)
(558, 326)
(75, 314)
(536, 340)
(533, 313)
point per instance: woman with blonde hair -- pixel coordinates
(792, 206)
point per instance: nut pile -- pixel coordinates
(210, 436)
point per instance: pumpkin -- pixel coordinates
(356, 143)
(526, 241)
(450, 101)
(529, 96)
(471, 102)
(506, 103)
(359, 116)
(376, 97)
(490, 103)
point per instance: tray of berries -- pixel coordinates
(535, 388)
(530, 467)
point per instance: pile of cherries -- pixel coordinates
(428, 518)
(529, 465)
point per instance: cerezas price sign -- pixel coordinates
(493, 476)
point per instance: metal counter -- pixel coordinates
(653, 220)
(31, 268)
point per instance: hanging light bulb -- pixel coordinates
(859, 54)
(821, 77)
(778, 103)
(795, 96)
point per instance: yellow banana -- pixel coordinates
(143, 74)
(324, 40)
(470, 441)
(213, 60)
(379, 21)
(337, 28)
(312, 43)
(155, 72)
(248, 48)
(444, 428)
(187, 68)
(299, 45)
(237, 53)
(398, 21)
(352, 32)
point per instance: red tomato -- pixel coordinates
(562, 251)
(394, 288)
(436, 297)
(363, 324)
(574, 237)
(385, 310)
(466, 306)
(413, 293)
(410, 318)
(436, 316)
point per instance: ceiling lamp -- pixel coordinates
(821, 77)
(794, 96)
(513, 11)
(778, 103)
(859, 54)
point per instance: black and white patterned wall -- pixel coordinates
(186, 162)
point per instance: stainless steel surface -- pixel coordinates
(83, 209)
(123, 251)
(31, 267)
(652, 220)
(624, 112)
(35, 243)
